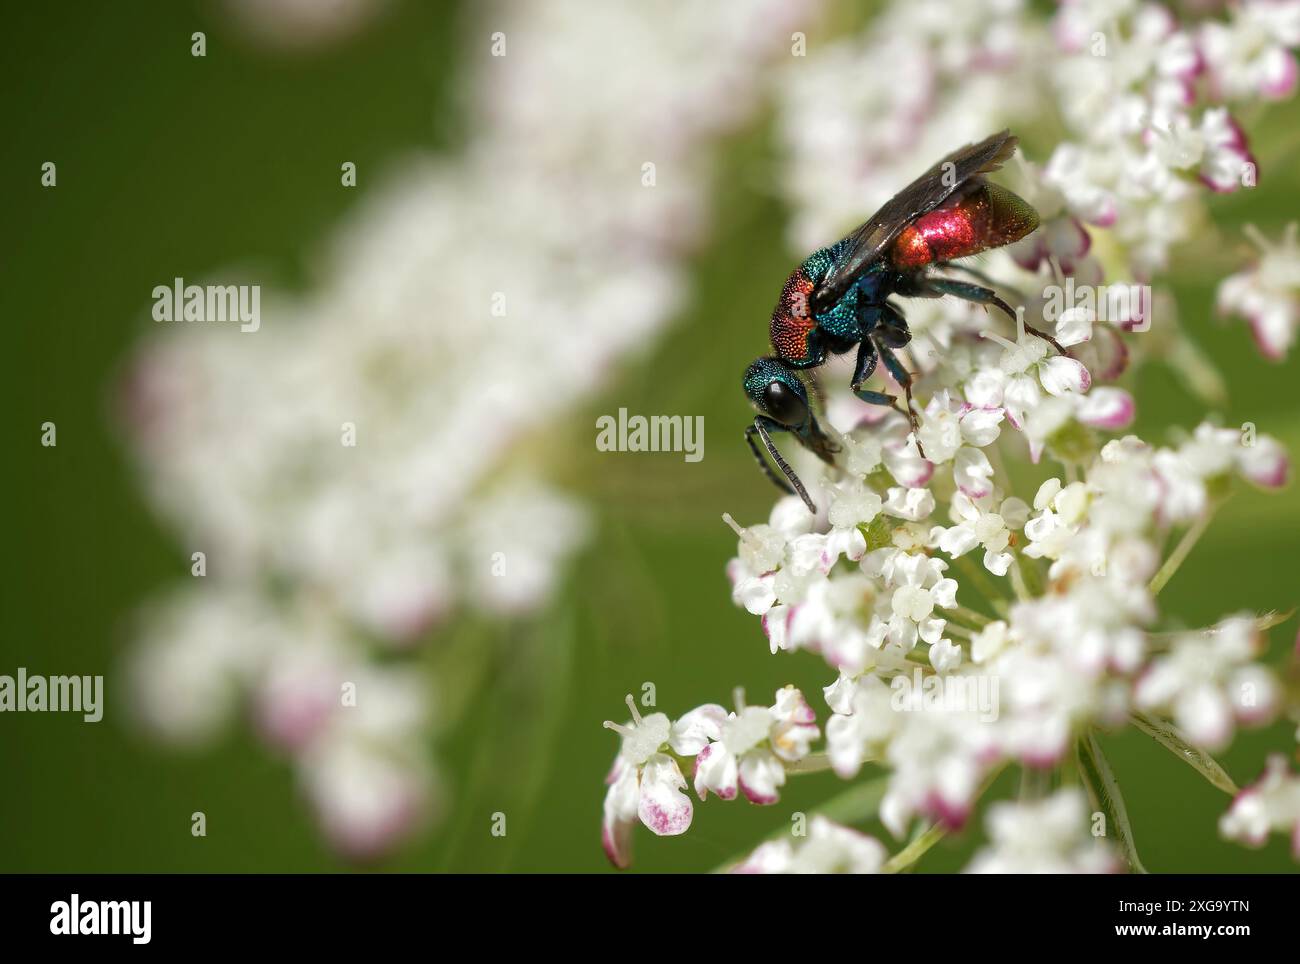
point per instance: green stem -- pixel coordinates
(1000, 473)
(1162, 641)
(914, 851)
(1031, 574)
(1035, 783)
(956, 629)
(1181, 551)
(1168, 736)
(969, 616)
(1103, 789)
(919, 654)
(1018, 583)
(812, 763)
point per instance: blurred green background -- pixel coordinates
(171, 165)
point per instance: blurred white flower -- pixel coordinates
(1209, 683)
(362, 455)
(291, 24)
(367, 773)
(1268, 293)
(645, 782)
(1047, 836)
(1251, 56)
(753, 746)
(982, 522)
(941, 695)
(1271, 804)
(829, 848)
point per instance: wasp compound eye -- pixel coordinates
(783, 404)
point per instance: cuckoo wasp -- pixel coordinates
(838, 297)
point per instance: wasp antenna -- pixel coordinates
(784, 466)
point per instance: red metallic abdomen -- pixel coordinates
(982, 217)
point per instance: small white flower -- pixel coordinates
(1062, 240)
(1028, 368)
(918, 588)
(751, 745)
(1083, 182)
(945, 656)
(910, 504)
(947, 425)
(1227, 159)
(1248, 57)
(1267, 294)
(863, 721)
(989, 641)
(1271, 804)
(1209, 684)
(938, 757)
(982, 522)
(645, 782)
(1074, 327)
(1049, 836)
(829, 848)
(1061, 512)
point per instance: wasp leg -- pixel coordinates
(888, 330)
(891, 329)
(904, 378)
(983, 296)
(866, 365)
(869, 354)
(978, 275)
(863, 369)
(762, 427)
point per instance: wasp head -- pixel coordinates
(776, 390)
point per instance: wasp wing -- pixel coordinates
(926, 193)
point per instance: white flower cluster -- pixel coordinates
(1063, 638)
(358, 457)
(1073, 653)
(1042, 837)
(828, 849)
(748, 750)
(1272, 805)
(1146, 99)
(971, 626)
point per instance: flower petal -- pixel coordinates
(716, 771)
(620, 813)
(761, 774)
(972, 472)
(663, 807)
(694, 730)
(1061, 374)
